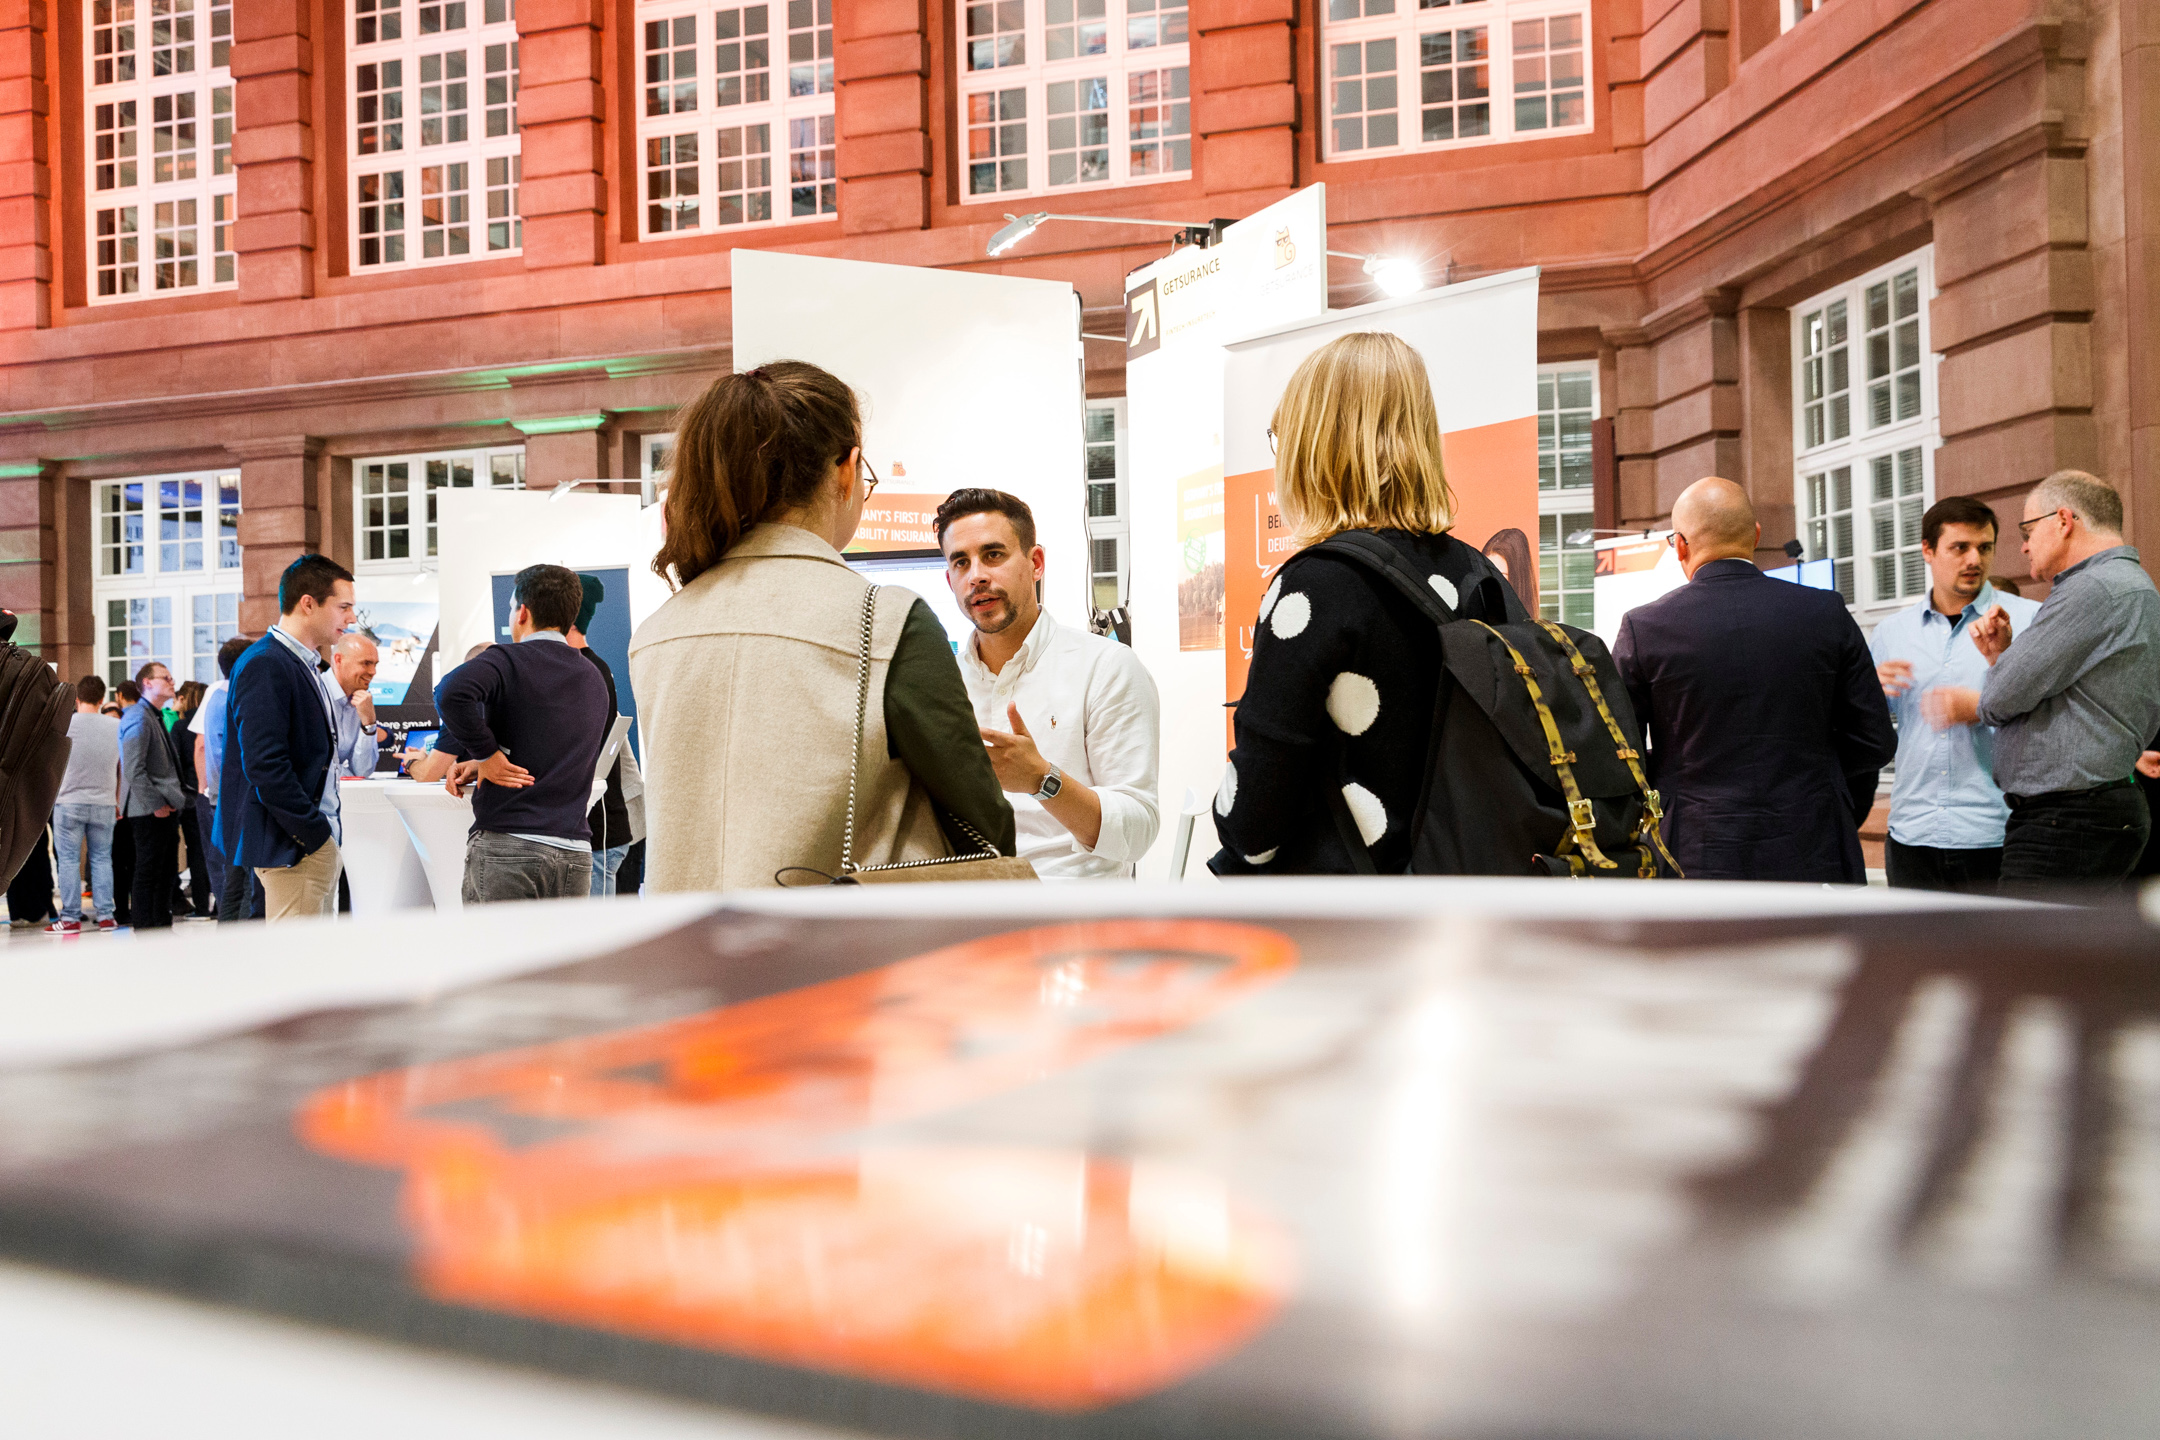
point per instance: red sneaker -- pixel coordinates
(64, 927)
(106, 927)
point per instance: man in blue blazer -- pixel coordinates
(1765, 721)
(277, 793)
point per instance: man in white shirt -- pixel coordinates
(1071, 719)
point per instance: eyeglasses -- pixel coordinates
(868, 475)
(2025, 527)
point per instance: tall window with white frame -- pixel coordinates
(1865, 429)
(167, 578)
(1060, 95)
(1401, 76)
(735, 115)
(1567, 403)
(394, 514)
(158, 134)
(435, 148)
(1108, 527)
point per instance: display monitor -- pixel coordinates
(922, 571)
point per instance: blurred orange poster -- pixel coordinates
(1491, 468)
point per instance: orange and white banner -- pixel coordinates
(1479, 343)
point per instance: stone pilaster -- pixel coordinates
(561, 112)
(273, 68)
(564, 448)
(1632, 405)
(1685, 58)
(26, 268)
(882, 110)
(1695, 429)
(1244, 95)
(29, 546)
(280, 517)
(2140, 50)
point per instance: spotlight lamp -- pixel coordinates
(1395, 275)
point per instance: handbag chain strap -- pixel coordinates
(862, 712)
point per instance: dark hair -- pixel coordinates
(90, 690)
(314, 576)
(963, 503)
(551, 592)
(229, 653)
(751, 445)
(595, 592)
(1513, 546)
(128, 691)
(189, 697)
(1957, 510)
(143, 673)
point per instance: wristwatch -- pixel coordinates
(1052, 783)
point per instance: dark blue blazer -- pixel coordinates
(278, 752)
(1766, 725)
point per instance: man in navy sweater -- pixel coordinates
(526, 721)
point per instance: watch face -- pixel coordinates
(1052, 783)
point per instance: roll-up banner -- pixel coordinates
(1269, 268)
(966, 380)
(1479, 343)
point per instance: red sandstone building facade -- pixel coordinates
(274, 271)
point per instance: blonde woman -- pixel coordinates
(1345, 670)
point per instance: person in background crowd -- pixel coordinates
(1509, 551)
(746, 679)
(1344, 669)
(194, 818)
(1946, 812)
(277, 798)
(1087, 764)
(352, 707)
(123, 696)
(527, 720)
(610, 820)
(1764, 719)
(239, 893)
(630, 879)
(151, 797)
(2074, 696)
(84, 812)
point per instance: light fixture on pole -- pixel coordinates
(420, 576)
(567, 486)
(1202, 233)
(1396, 275)
(1584, 537)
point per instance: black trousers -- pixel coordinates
(157, 869)
(123, 872)
(194, 829)
(2073, 839)
(242, 898)
(30, 893)
(1925, 867)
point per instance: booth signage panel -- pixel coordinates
(1479, 343)
(1631, 570)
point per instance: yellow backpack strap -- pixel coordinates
(1581, 817)
(1653, 807)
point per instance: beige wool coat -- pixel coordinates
(746, 684)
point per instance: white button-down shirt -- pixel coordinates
(1092, 708)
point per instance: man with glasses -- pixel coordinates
(2075, 696)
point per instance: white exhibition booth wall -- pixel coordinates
(966, 380)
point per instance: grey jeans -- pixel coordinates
(503, 867)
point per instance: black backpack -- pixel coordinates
(1535, 766)
(35, 711)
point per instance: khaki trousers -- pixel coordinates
(308, 888)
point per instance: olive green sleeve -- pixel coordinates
(931, 729)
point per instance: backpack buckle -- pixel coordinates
(1584, 816)
(1653, 805)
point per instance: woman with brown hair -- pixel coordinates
(1345, 670)
(747, 678)
(194, 819)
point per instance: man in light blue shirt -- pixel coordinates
(1946, 812)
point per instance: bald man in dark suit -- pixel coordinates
(1766, 725)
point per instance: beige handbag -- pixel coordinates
(985, 865)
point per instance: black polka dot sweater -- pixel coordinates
(1345, 672)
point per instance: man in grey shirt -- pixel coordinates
(2075, 698)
